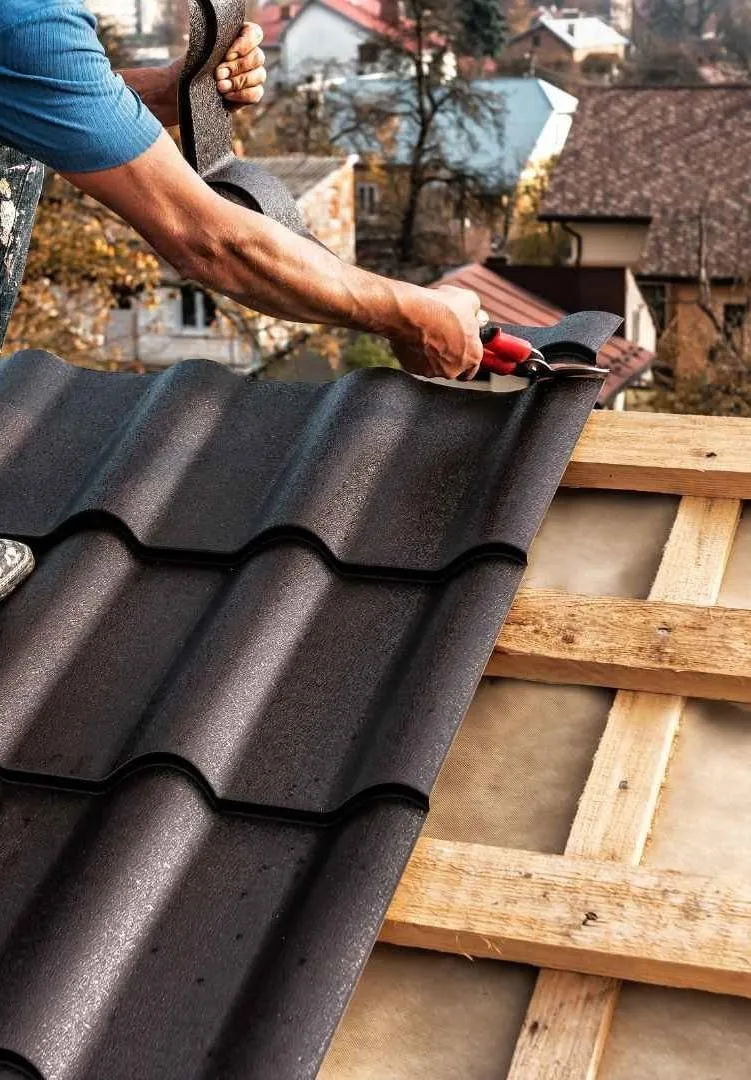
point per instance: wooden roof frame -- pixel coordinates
(594, 916)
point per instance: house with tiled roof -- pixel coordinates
(524, 125)
(656, 180)
(560, 40)
(332, 36)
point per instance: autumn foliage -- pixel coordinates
(83, 262)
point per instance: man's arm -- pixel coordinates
(264, 266)
(240, 78)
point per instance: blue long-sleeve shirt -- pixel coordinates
(60, 101)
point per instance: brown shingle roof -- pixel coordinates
(300, 172)
(508, 303)
(678, 156)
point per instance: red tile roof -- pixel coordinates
(506, 302)
(364, 13)
(269, 18)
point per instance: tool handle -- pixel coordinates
(503, 352)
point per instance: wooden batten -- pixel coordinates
(581, 915)
(593, 916)
(664, 648)
(682, 455)
(568, 1019)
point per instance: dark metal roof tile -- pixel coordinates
(178, 897)
(144, 935)
(281, 684)
(346, 465)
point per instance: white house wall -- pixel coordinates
(551, 140)
(610, 244)
(640, 327)
(320, 39)
(154, 338)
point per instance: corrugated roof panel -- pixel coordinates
(194, 460)
(258, 615)
(278, 685)
(143, 935)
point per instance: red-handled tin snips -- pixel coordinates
(506, 354)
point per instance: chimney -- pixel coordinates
(622, 16)
(390, 11)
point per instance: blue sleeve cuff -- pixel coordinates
(61, 102)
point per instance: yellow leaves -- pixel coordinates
(83, 259)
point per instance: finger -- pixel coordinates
(253, 61)
(242, 82)
(251, 96)
(250, 36)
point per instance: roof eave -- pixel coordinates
(596, 219)
(612, 393)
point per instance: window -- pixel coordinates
(197, 309)
(535, 41)
(734, 319)
(367, 199)
(655, 294)
(368, 53)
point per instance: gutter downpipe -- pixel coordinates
(577, 237)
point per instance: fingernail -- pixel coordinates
(232, 56)
(223, 73)
(224, 85)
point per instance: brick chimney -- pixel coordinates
(390, 11)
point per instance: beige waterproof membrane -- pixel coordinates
(513, 779)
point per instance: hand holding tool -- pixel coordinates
(507, 354)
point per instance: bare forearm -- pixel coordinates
(269, 269)
(265, 267)
(157, 89)
(243, 255)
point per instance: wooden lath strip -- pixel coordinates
(589, 916)
(559, 637)
(568, 1018)
(683, 455)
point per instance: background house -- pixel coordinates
(566, 40)
(491, 153)
(332, 36)
(656, 180)
(185, 322)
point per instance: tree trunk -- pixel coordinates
(409, 222)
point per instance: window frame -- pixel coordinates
(369, 212)
(204, 308)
